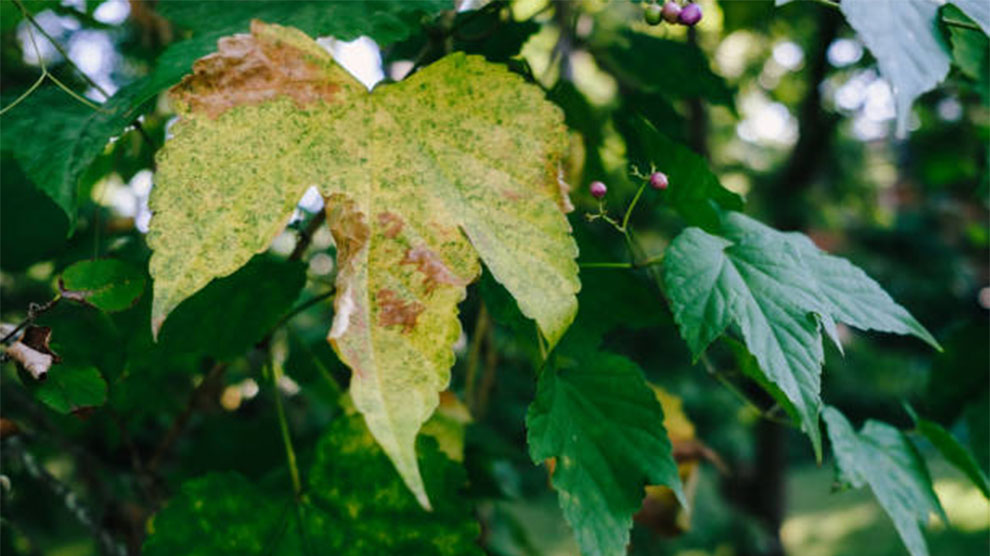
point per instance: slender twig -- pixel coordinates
(179, 424)
(654, 260)
(732, 388)
(474, 355)
(273, 370)
(25, 94)
(488, 378)
(306, 235)
(632, 205)
(304, 305)
(34, 311)
(945, 20)
(607, 265)
(69, 498)
(60, 49)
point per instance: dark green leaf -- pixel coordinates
(355, 504)
(596, 415)
(695, 191)
(232, 314)
(58, 138)
(32, 227)
(385, 21)
(353, 481)
(107, 284)
(883, 458)
(953, 451)
(219, 514)
(70, 389)
(672, 68)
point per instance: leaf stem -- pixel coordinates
(474, 356)
(632, 205)
(60, 49)
(606, 265)
(732, 388)
(274, 371)
(304, 305)
(34, 311)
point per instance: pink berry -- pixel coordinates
(690, 14)
(658, 180)
(598, 189)
(671, 11)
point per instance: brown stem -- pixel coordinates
(180, 422)
(306, 235)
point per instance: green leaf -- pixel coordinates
(108, 284)
(355, 504)
(58, 138)
(354, 481)
(32, 227)
(903, 36)
(385, 21)
(420, 177)
(219, 514)
(695, 191)
(779, 290)
(69, 389)
(684, 72)
(952, 451)
(883, 458)
(977, 10)
(971, 52)
(233, 313)
(596, 415)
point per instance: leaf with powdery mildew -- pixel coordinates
(421, 177)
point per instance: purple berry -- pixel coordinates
(671, 11)
(652, 14)
(598, 189)
(658, 180)
(690, 14)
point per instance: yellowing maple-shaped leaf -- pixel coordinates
(420, 177)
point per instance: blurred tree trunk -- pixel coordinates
(762, 492)
(788, 189)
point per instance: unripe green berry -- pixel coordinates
(653, 14)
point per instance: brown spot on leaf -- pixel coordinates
(511, 195)
(434, 270)
(252, 69)
(394, 311)
(391, 223)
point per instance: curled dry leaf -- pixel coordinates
(32, 352)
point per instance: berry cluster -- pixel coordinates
(672, 12)
(658, 181)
